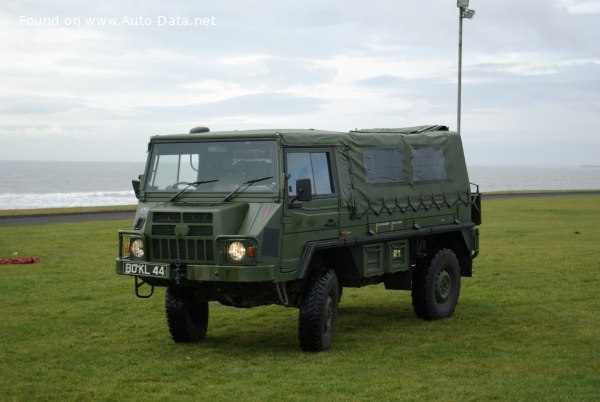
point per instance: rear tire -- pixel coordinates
(318, 313)
(436, 286)
(187, 318)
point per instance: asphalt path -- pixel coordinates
(17, 220)
(540, 195)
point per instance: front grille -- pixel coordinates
(166, 245)
(201, 231)
(183, 249)
(166, 217)
(169, 230)
(176, 217)
(163, 230)
(197, 217)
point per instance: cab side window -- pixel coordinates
(310, 164)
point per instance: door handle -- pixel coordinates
(331, 223)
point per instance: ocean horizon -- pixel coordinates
(55, 184)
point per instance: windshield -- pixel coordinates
(226, 164)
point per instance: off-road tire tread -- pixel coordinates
(310, 316)
(185, 325)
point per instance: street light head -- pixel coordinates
(462, 3)
(468, 14)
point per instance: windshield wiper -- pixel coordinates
(244, 186)
(195, 184)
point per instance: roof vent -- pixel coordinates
(197, 130)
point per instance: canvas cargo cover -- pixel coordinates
(318, 138)
(414, 191)
(446, 183)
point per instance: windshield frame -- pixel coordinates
(213, 157)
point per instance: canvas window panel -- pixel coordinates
(383, 165)
(428, 164)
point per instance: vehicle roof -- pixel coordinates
(303, 137)
(243, 134)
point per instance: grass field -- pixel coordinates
(527, 326)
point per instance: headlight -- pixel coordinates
(137, 248)
(237, 251)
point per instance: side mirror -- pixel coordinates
(136, 188)
(303, 190)
(303, 193)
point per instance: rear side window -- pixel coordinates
(428, 164)
(313, 165)
(383, 165)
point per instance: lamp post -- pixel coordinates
(463, 12)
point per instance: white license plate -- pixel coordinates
(154, 270)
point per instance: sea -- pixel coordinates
(43, 184)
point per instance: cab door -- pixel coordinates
(317, 219)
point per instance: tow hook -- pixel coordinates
(180, 272)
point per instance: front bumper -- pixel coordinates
(198, 273)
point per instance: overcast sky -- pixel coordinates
(94, 80)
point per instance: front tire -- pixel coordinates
(187, 318)
(318, 313)
(436, 286)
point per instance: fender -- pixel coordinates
(312, 247)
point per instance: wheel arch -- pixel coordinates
(454, 241)
(342, 260)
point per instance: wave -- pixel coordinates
(62, 200)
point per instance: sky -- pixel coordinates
(94, 80)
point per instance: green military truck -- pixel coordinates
(290, 217)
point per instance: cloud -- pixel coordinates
(36, 105)
(581, 7)
(263, 104)
(530, 68)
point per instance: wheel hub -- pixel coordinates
(443, 285)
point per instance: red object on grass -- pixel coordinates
(24, 260)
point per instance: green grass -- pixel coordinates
(527, 326)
